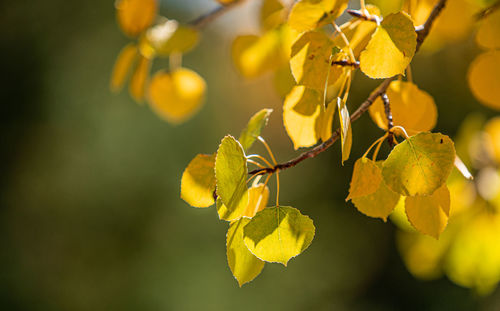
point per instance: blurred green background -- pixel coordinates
(90, 214)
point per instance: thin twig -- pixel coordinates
(346, 63)
(209, 17)
(364, 16)
(388, 115)
(422, 32)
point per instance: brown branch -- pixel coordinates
(209, 17)
(422, 33)
(346, 63)
(390, 123)
(361, 15)
(487, 11)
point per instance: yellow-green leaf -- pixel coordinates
(345, 130)
(411, 108)
(420, 164)
(169, 37)
(391, 47)
(258, 195)
(279, 233)
(311, 14)
(231, 173)
(123, 65)
(484, 79)
(176, 96)
(139, 79)
(366, 178)
(429, 213)
(254, 127)
(198, 181)
(243, 264)
(488, 35)
(134, 16)
(310, 59)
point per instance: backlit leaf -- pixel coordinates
(139, 79)
(366, 178)
(488, 35)
(492, 129)
(429, 213)
(176, 96)
(345, 130)
(484, 79)
(167, 38)
(254, 128)
(134, 16)
(279, 233)
(258, 196)
(243, 264)
(123, 65)
(311, 14)
(231, 173)
(198, 181)
(325, 121)
(420, 164)
(272, 14)
(391, 47)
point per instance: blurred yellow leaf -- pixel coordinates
(345, 130)
(277, 234)
(311, 14)
(391, 47)
(123, 65)
(324, 122)
(167, 38)
(488, 35)
(272, 14)
(283, 80)
(429, 213)
(387, 6)
(139, 79)
(198, 181)
(366, 178)
(134, 16)
(484, 78)
(411, 108)
(243, 264)
(176, 96)
(258, 196)
(492, 129)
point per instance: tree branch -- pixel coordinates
(422, 33)
(209, 17)
(388, 115)
(487, 11)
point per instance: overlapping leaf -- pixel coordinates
(254, 128)
(345, 130)
(134, 16)
(311, 14)
(484, 79)
(123, 65)
(198, 181)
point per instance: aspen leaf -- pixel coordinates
(411, 108)
(134, 16)
(231, 173)
(325, 121)
(254, 128)
(176, 96)
(345, 130)
(300, 111)
(420, 164)
(492, 129)
(198, 181)
(277, 234)
(272, 14)
(484, 79)
(258, 196)
(429, 213)
(283, 80)
(243, 264)
(366, 178)
(167, 38)
(488, 35)
(311, 14)
(391, 47)
(138, 81)
(310, 59)
(123, 65)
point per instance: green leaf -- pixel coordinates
(345, 130)
(254, 128)
(311, 14)
(420, 164)
(231, 173)
(391, 47)
(198, 181)
(279, 233)
(243, 264)
(366, 178)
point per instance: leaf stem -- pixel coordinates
(261, 158)
(268, 149)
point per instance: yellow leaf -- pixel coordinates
(311, 14)
(310, 59)
(198, 181)
(492, 129)
(176, 96)
(277, 234)
(411, 108)
(391, 47)
(283, 80)
(122, 67)
(134, 16)
(429, 213)
(488, 35)
(243, 264)
(254, 128)
(258, 196)
(300, 112)
(387, 6)
(325, 121)
(420, 164)
(167, 38)
(139, 79)
(272, 14)
(345, 130)
(484, 79)
(231, 173)
(366, 178)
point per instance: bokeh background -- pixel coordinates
(90, 214)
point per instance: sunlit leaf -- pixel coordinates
(492, 129)
(258, 196)
(123, 65)
(420, 164)
(484, 79)
(198, 181)
(272, 14)
(134, 16)
(429, 213)
(311, 14)
(283, 80)
(176, 96)
(139, 79)
(366, 178)
(279, 233)
(254, 127)
(411, 108)
(488, 35)
(391, 47)
(169, 37)
(243, 264)
(231, 173)
(325, 121)
(387, 7)
(345, 130)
